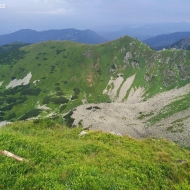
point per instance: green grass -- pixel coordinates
(59, 159)
(142, 116)
(172, 108)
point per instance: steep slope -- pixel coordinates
(162, 41)
(149, 91)
(56, 157)
(182, 44)
(32, 36)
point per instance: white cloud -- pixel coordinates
(60, 11)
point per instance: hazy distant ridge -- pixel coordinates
(32, 36)
(182, 44)
(165, 40)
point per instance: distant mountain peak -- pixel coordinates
(182, 44)
(71, 34)
(165, 40)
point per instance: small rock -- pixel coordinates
(82, 133)
(116, 134)
(181, 161)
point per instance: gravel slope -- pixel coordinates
(123, 117)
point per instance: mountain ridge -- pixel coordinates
(162, 41)
(182, 44)
(32, 36)
(142, 32)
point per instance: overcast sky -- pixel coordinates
(83, 14)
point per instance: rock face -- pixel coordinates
(127, 57)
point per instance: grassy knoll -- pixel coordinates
(59, 159)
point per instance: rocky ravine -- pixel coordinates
(124, 117)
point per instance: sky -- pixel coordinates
(89, 14)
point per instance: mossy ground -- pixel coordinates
(59, 159)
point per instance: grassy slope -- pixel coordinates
(63, 66)
(59, 159)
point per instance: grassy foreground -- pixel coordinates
(59, 159)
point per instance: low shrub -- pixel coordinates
(59, 93)
(62, 107)
(74, 97)
(55, 100)
(11, 116)
(31, 92)
(68, 119)
(59, 100)
(57, 88)
(30, 114)
(10, 100)
(76, 90)
(12, 78)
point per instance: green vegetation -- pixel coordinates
(10, 57)
(68, 119)
(31, 92)
(55, 100)
(58, 158)
(12, 46)
(142, 116)
(30, 114)
(62, 107)
(172, 108)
